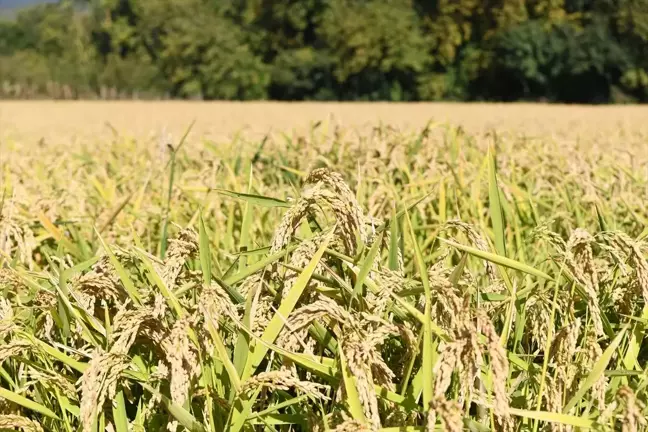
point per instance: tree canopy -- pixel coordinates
(593, 51)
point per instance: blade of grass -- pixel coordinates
(260, 265)
(204, 252)
(154, 277)
(245, 228)
(242, 347)
(597, 370)
(115, 213)
(119, 413)
(497, 217)
(259, 200)
(27, 403)
(57, 234)
(165, 224)
(393, 242)
(121, 272)
(366, 267)
(351, 390)
(551, 417)
(276, 407)
(428, 360)
(498, 259)
(285, 308)
(183, 416)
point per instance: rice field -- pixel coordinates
(322, 267)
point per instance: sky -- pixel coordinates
(10, 4)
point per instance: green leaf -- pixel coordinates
(245, 228)
(393, 242)
(287, 305)
(498, 259)
(165, 223)
(367, 265)
(27, 403)
(63, 358)
(204, 252)
(242, 412)
(242, 347)
(552, 417)
(403, 429)
(119, 413)
(81, 316)
(234, 294)
(223, 356)
(154, 277)
(276, 407)
(305, 360)
(121, 272)
(428, 360)
(351, 390)
(601, 220)
(259, 200)
(597, 370)
(115, 213)
(183, 416)
(57, 234)
(497, 217)
(260, 265)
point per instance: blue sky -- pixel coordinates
(10, 4)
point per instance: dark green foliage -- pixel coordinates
(378, 48)
(557, 62)
(593, 51)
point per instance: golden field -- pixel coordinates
(322, 267)
(218, 120)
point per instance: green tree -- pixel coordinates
(53, 53)
(562, 50)
(189, 44)
(631, 26)
(377, 47)
(284, 34)
(559, 62)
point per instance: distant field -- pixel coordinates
(486, 272)
(222, 119)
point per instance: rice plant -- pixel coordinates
(337, 281)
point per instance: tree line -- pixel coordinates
(591, 51)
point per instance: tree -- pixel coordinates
(377, 47)
(559, 62)
(558, 50)
(198, 51)
(52, 50)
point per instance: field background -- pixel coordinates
(220, 120)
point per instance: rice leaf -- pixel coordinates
(183, 416)
(366, 266)
(259, 200)
(287, 305)
(551, 417)
(393, 242)
(121, 272)
(245, 228)
(258, 266)
(204, 252)
(428, 360)
(119, 413)
(351, 390)
(27, 403)
(498, 259)
(57, 234)
(597, 370)
(497, 217)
